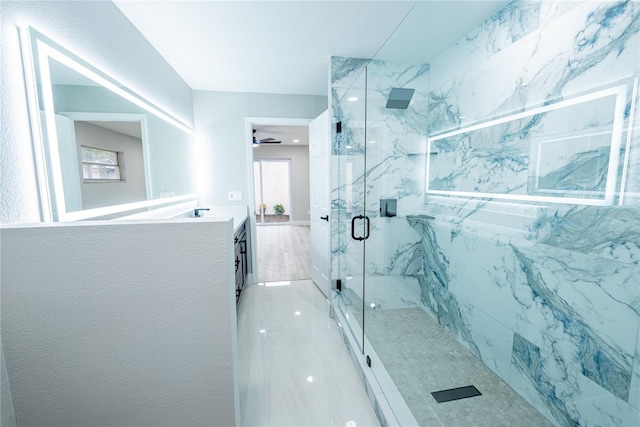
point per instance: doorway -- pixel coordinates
(272, 182)
(282, 245)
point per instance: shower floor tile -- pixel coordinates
(421, 357)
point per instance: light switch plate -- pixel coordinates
(235, 195)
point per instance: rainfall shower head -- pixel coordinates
(399, 98)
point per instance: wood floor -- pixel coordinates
(284, 252)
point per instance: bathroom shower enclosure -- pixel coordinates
(486, 216)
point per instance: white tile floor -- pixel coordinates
(294, 367)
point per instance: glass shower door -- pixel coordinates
(349, 164)
(395, 157)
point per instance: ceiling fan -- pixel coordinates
(265, 140)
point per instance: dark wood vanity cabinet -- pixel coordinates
(241, 259)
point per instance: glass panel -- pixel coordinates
(349, 196)
(95, 155)
(272, 181)
(397, 103)
(276, 191)
(516, 219)
(90, 171)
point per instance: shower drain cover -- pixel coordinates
(455, 394)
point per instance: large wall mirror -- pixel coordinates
(101, 149)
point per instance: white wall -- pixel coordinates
(223, 143)
(148, 338)
(96, 31)
(8, 417)
(299, 156)
(132, 189)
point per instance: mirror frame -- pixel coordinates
(40, 48)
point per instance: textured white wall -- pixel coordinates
(299, 156)
(96, 31)
(8, 418)
(147, 338)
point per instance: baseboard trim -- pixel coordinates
(307, 222)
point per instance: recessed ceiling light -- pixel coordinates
(310, 379)
(296, 140)
(352, 99)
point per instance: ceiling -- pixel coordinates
(285, 46)
(128, 128)
(286, 134)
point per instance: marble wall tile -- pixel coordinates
(436, 250)
(564, 394)
(391, 292)
(590, 45)
(584, 303)
(515, 21)
(346, 71)
(608, 232)
(634, 390)
(491, 340)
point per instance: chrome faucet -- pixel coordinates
(197, 212)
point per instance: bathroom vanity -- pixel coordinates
(241, 240)
(241, 258)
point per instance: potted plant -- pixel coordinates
(278, 209)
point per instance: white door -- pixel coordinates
(320, 194)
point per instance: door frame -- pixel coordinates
(249, 124)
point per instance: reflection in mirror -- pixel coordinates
(103, 150)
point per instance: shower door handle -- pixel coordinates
(353, 227)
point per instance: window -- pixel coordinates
(98, 164)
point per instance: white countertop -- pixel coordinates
(238, 213)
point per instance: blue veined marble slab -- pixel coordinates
(563, 394)
(590, 45)
(634, 391)
(515, 21)
(436, 244)
(584, 303)
(608, 232)
(345, 71)
(571, 304)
